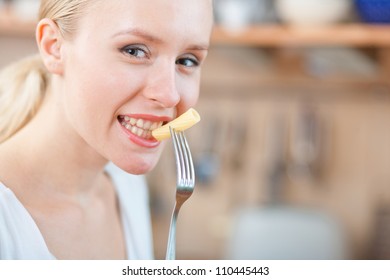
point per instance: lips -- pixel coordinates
(141, 127)
(138, 128)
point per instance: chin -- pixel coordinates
(137, 166)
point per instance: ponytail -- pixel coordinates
(23, 84)
(22, 90)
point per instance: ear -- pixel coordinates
(49, 41)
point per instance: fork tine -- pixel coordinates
(184, 162)
(192, 169)
(187, 172)
(189, 163)
(178, 154)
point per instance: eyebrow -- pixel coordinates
(151, 38)
(139, 33)
(202, 47)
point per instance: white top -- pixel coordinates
(20, 237)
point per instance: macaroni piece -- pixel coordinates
(181, 123)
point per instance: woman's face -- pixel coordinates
(132, 66)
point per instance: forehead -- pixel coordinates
(191, 19)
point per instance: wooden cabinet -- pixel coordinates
(373, 39)
(352, 35)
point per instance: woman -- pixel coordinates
(76, 120)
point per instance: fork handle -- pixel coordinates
(171, 247)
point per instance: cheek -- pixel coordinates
(190, 96)
(99, 93)
(88, 98)
(95, 82)
(92, 100)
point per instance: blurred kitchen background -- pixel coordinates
(293, 150)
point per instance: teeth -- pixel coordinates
(154, 126)
(134, 130)
(147, 125)
(141, 128)
(140, 123)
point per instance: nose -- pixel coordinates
(162, 87)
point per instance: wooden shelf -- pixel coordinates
(352, 35)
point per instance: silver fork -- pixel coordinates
(185, 184)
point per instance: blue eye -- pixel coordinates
(188, 62)
(135, 51)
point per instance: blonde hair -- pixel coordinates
(23, 84)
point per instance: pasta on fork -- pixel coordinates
(181, 123)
